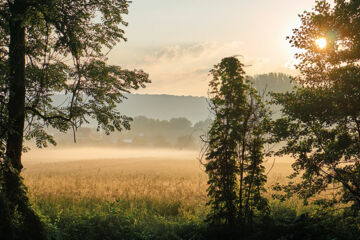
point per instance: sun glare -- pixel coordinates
(321, 43)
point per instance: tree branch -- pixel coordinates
(47, 118)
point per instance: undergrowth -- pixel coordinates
(144, 219)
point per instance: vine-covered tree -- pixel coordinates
(52, 47)
(321, 120)
(235, 151)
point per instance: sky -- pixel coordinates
(178, 41)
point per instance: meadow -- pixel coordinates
(109, 193)
(108, 174)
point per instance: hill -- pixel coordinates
(195, 109)
(165, 107)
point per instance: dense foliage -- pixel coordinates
(321, 119)
(49, 47)
(144, 219)
(60, 61)
(236, 140)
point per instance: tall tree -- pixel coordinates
(321, 119)
(52, 47)
(235, 146)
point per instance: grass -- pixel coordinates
(175, 175)
(120, 219)
(154, 196)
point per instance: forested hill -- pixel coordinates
(166, 107)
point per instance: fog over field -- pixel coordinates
(109, 174)
(54, 154)
(120, 160)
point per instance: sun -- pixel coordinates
(321, 43)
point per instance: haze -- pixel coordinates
(177, 42)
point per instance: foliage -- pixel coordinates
(339, 25)
(119, 219)
(272, 82)
(152, 199)
(50, 47)
(235, 147)
(144, 219)
(16, 211)
(65, 42)
(321, 119)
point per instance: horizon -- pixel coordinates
(138, 92)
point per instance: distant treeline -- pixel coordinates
(165, 107)
(272, 82)
(177, 133)
(183, 130)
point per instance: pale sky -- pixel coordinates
(178, 41)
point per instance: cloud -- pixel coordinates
(183, 69)
(201, 53)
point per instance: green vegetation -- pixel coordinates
(149, 198)
(49, 47)
(235, 151)
(135, 219)
(321, 120)
(144, 219)
(319, 128)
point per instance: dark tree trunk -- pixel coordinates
(6, 228)
(31, 225)
(16, 105)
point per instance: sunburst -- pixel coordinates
(321, 43)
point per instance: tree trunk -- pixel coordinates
(16, 105)
(31, 225)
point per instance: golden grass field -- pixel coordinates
(108, 174)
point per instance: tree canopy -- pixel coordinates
(49, 47)
(321, 119)
(64, 49)
(234, 154)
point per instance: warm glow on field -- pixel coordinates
(321, 43)
(111, 173)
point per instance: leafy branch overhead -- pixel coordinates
(65, 46)
(50, 47)
(321, 119)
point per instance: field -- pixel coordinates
(110, 174)
(107, 193)
(149, 192)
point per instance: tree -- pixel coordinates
(321, 119)
(235, 146)
(52, 47)
(272, 82)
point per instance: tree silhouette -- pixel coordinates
(235, 146)
(49, 47)
(321, 119)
